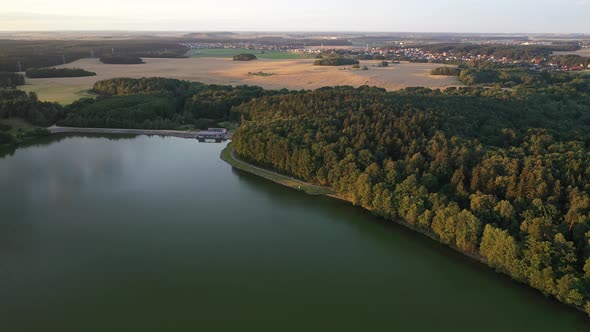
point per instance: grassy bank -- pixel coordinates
(229, 157)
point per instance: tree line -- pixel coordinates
(445, 71)
(19, 104)
(158, 103)
(17, 55)
(244, 57)
(523, 79)
(57, 72)
(336, 61)
(121, 59)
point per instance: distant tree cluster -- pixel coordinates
(336, 61)
(121, 59)
(245, 57)
(16, 55)
(57, 72)
(445, 71)
(11, 80)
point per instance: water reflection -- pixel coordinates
(93, 226)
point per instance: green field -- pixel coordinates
(231, 52)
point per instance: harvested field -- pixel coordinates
(290, 74)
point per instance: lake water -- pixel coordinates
(158, 234)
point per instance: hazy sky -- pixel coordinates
(556, 16)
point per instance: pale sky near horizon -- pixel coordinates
(502, 16)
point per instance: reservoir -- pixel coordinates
(149, 233)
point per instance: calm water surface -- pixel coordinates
(159, 234)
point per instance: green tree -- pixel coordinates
(501, 251)
(569, 290)
(444, 224)
(467, 231)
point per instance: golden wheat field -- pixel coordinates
(270, 74)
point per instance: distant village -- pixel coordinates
(403, 51)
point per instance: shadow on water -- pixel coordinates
(392, 236)
(7, 151)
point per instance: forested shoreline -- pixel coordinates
(494, 176)
(501, 175)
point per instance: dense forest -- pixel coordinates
(149, 103)
(244, 57)
(500, 175)
(121, 59)
(336, 61)
(57, 72)
(11, 80)
(158, 103)
(503, 178)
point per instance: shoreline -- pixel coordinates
(228, 155)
